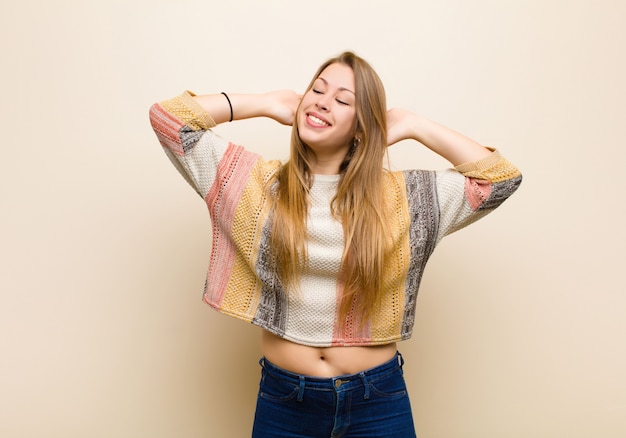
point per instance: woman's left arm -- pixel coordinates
(483, 178)
(451, 145)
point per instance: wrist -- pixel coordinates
(247, 106)
(418, 127)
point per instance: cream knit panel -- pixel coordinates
(312, 309)
(201, 161)
(456, 212)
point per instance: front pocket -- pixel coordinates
(390, 387)
(272, 388)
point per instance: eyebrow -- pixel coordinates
(340, 88)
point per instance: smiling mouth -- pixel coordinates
(317, 121)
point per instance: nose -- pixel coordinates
(323, 102)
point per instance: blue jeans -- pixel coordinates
(373, 403)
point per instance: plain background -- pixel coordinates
(521, 327)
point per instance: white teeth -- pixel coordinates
(317, 121)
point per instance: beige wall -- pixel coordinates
(521, 328)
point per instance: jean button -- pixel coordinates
(340, 382)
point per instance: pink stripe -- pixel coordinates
(348, 331)
(222, 199)
(477, 191)
(167, 128)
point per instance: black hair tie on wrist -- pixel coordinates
(230, 105)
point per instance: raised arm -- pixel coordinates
(183, 126)
(278, 105)
(451, 145)
(482, 180)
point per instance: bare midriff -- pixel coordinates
(323, 361)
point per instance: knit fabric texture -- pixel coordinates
(242, 281)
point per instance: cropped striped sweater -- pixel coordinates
(242, 281)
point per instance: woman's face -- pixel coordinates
(327, 113)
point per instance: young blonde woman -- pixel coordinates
(325, 252)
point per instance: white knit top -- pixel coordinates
(242, 279)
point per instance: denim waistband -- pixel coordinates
(335, 383)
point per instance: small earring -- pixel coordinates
(356, 142)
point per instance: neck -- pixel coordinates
(326, 165)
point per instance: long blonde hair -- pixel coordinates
(359, 203)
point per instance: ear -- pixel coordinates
(358, 136)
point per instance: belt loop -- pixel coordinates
(401, 362)
(366, 384)
(262, 362)
(301, 389)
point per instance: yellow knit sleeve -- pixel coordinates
(494, 168)
(189, 112)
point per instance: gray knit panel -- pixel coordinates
(424, 222)
(189, 138)
(500, 191)
(272, 311)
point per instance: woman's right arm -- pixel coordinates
(183, 126)
(278, 105)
